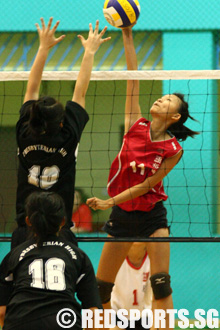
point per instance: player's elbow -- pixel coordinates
(143, 189)
(149, 184)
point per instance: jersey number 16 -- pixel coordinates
(52, 279)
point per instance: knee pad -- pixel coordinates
(160, 283)
(105, 289)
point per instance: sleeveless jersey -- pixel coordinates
(45, 281)
(132, 289)
(48, 162)
(139, 158)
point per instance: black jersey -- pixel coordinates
(48, 162)
(45, 281)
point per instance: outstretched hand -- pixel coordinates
(46, 34)
(99, 204)
(94, 40)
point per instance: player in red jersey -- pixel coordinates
(149, 152)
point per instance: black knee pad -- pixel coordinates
(105, 289)
(160, 283)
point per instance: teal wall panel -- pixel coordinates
(188, 51)
(193, 268)
(198, 174)
(76, 14)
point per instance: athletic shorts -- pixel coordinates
(136, 223)
(22, 233)
(42, 323)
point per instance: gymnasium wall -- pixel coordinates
(76, 14)
(194, 269)
(18, 50)
(188, 28)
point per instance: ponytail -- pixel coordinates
(37, 124)
(45, 116)
(180, 131)
(45, 211)
(39, 226)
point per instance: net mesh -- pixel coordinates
(192, 186)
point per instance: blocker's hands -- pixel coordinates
(46, 34)
(94, 40)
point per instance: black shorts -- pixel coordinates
(42, 323)
(22, 233)
(136, 223)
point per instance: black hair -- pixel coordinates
(180, 131)
(45, 211)
(46, 114)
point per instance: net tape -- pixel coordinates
(117, 75)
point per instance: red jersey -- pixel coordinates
(139, 158)
(83, 218)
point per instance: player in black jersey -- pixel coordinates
(48, 134)
(41, 276)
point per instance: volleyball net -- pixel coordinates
(192, 186)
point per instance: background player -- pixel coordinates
(132, 289)
(82, 214)
(47, 135)
(149, 152)
(46, 271)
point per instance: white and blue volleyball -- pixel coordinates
(121, 13)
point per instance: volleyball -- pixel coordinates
(121, 13)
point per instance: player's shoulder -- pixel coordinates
(82, 254)
(142, 125)
(73, 105)
(172, 144)
(70, 246)
(27, 246)
(23, 246)
(25, 110)
(141, 122)
(76, 109)
(169, 146)
(85, 260)
(75, 117)
(17, 253)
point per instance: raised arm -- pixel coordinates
(91, 45)
(47, 41)
(132, 107)
(137, 190)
